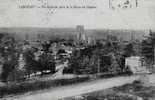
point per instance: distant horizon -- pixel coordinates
(75, 28)
(71, 31)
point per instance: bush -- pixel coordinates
(37, 85)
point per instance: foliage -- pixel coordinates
(33, 85)
(147, 46)
(9, 54)
(61, 51)
(46, 62)
(84, 61)
(97, 59)
(46, 46)
(31, 64)
(128, 50)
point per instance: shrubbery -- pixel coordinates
(37, 85)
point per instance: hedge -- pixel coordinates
(24, 87)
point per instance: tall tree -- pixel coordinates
(31, 63)
(128, 50)
(148, 46)
(9, 54)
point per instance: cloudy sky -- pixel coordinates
(11, 15)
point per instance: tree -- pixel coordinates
(46, 46)
(9, 54)
(128, 50)
(105, 63)
(147, 50)
(7, 68)
(82, 62)
(61, 51)
(46, 62)
(147, 47)
(97, 59)
(31, 63)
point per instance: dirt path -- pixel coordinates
(78, 89)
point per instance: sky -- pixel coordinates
(101, 17)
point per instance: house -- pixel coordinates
(135, 65)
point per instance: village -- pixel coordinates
(80, 58)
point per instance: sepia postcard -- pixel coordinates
(77, 49)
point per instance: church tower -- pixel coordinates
(81, 37)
